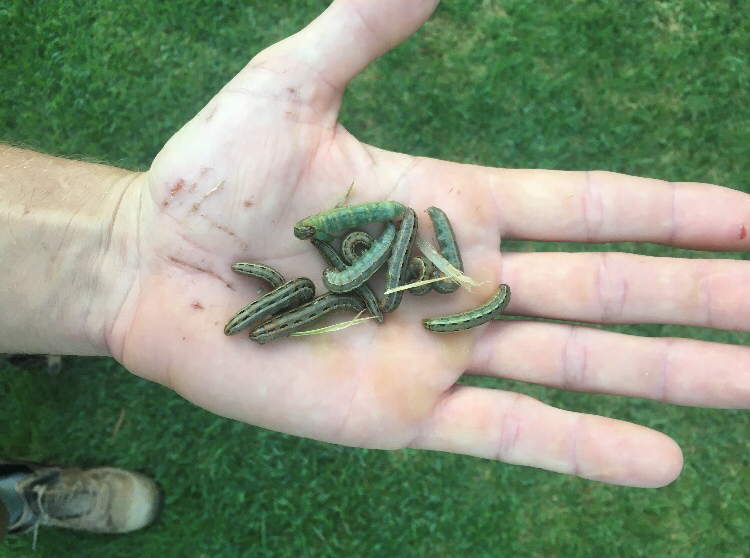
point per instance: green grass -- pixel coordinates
(654, 89)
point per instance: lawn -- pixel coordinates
(657, 89)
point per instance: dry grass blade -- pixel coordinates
(334, 327)
(443, 265)
(342, 201)
(415, 284)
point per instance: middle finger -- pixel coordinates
(620, 288)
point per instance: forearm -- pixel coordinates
(59, 249)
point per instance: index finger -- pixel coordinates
(599, 206)
(581, 206)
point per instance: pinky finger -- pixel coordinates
(518, 429)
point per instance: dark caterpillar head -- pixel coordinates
(303, 231)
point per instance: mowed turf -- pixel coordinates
(657, 89)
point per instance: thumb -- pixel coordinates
(350, 34)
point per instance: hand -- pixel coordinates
(267, 151)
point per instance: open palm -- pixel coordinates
(268, 151)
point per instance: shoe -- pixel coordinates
(102, 500)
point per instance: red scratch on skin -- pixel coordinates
(196, 206)
(216, 188)
(179, 185)
(743, 232)
(202, 270)
(225, 230)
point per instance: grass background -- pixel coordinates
(647, 88)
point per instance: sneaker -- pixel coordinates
(103, 500)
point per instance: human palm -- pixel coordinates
(267, 151)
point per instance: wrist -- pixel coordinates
(66, 257)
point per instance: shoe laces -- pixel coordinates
(72, 502)
(38, 491)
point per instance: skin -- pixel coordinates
(158, 287)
